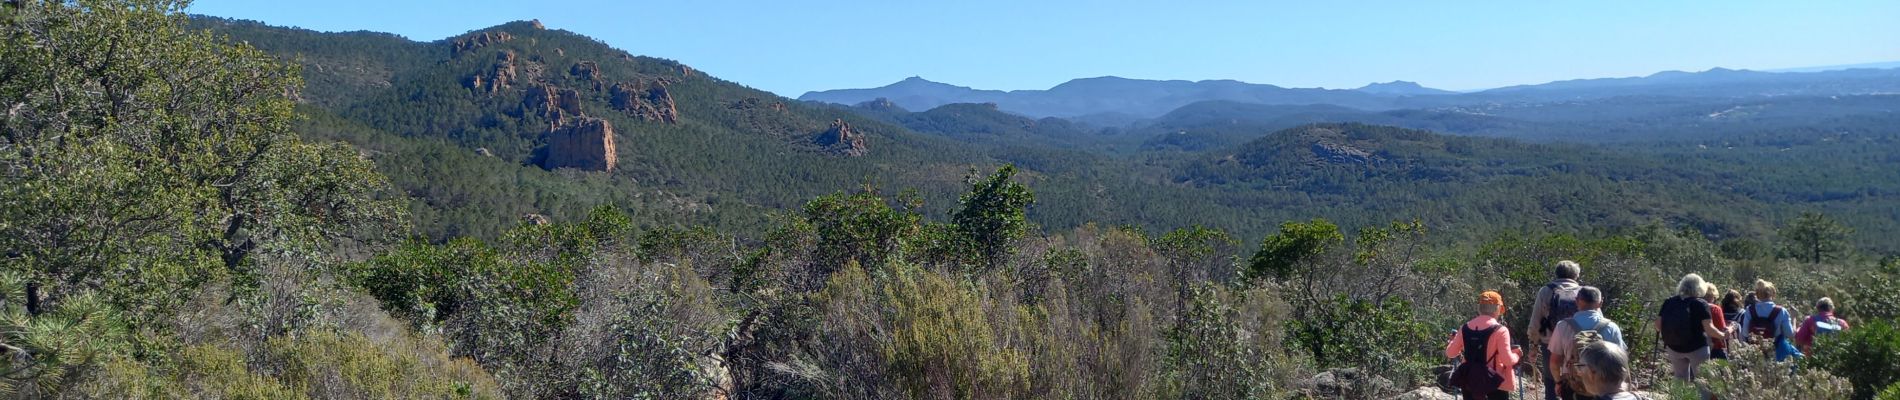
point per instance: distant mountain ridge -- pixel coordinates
(1101, 95)
(1141, 98)
(1403, 88)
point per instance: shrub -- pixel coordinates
(350, 365)
(1867, 355)
(1223, 348)
(1749, 374)
(1892, 393)
(1387, 340)
(941, 342)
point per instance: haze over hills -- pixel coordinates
(691, 148)
(1150, 98)
(1402, 88)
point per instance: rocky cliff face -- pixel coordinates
(842, 139)
(499, 77)
(552, 103)
(587, 71)
(478, 40)
(647, 100)
(584, 143)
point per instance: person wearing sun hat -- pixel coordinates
(1489, 358)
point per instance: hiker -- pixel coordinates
(1732, 309)
(1718, 346)
(1605, 368)
(1765, 320)
(1686, 327)
(1556, 301)
(1822, 322)
(1489, 359)
(1563, 347)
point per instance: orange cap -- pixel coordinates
(1492, 297)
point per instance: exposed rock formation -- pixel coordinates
(586, 70)
(1340, 153)
(534, 219)
(647, 100)
(841, 138)
(585, 143)
(478, 40)
(552, 103)
(536, 23)
(499, 77)
(881, 104)
(686, 71)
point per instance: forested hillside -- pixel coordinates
(193, 207)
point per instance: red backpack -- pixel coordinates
(1763, 326)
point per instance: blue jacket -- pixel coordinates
(1589, 319)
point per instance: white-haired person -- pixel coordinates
(1687, 327)
(1605, 368)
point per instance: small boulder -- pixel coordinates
(1426, 393)
(1345, 383)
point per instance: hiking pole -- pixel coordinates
(1519, 374)
(1520, 382)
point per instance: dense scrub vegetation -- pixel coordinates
(170, 228)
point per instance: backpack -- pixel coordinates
(1680, 331)
(1584, 337)
(1475, 375)
(1760, 326)
(1563, 305)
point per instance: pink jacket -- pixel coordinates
(1805, 335)
(1503, 360)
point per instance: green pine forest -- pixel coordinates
(196, 207)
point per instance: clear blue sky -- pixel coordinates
(790, 47)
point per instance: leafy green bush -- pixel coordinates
(1221, 349)
(1891, 393)
(1384, 339)
(1867, 355)
(994, 214)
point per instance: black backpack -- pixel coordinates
(1680, 331)
(1563, 305)
(1475, 375)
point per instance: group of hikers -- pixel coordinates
(1585, 356)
